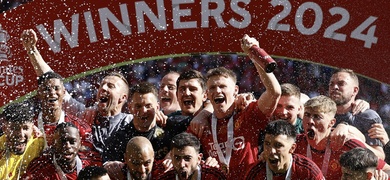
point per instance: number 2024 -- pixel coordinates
(330, 32)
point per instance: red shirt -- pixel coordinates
(334, 167)
(87, 150)
(43, 168)
(302, 168)
(247, 126)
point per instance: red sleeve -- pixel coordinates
(381, 164)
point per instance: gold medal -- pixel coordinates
(225, 168)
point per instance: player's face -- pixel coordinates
(18, 134)
(140, 164)
(288, 109)
(185, 161)
(191, 96)
(66, 145)
(111, 95)
(277, 152)
(144, 108)
(317, 125)
(221, 92)
(167, 92)
(353, 175)
(51, 94)
(342, 88)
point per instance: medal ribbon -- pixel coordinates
(229, 142)
(325, 162)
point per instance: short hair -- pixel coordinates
(122, 77)
(359, 159)
(222, 71)
(184, 139)
(192, 74)
(64, 125)
(49, 75)
(322, 104)
(290, 90)
(351, 73)
(144, 88)
(90, 172)
(19, 112)
(281, 127)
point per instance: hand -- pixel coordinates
(199, 124)
(212, 162)
(29, 39)
(380, 175)
(161, 119)
(247, 42)
(114, 169)
(339, 136)
(36, 132)
(243, 100)
(167, 163)
(359, 106)
(378, 131)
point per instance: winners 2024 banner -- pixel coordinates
(80, 36)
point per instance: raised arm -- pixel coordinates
(29, 41)
(269, 99)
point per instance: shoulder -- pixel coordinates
(168, 175)
(369, 114)
(303, 161)
(306, 167)
(211, 172)
(353, 143)
(127, 118)
(41, 163)
(255, 170)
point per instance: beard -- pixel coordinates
(342, 100)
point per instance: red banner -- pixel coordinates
(75, 37)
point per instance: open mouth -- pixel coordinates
(188, 102)
(52, 100)
(273, 161)
(67, 155)
(183, 174)
(20, 145)
(219, 100)
(166, 99)
(143, 118)
(103, 99)
(310, 134)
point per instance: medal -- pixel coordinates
(224, 160)
(225, 168)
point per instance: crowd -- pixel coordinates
(204, 121)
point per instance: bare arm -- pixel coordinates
(29, 41)
(269, 99)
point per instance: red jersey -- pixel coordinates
(334, 168)
(207, 173)
(87, 150)
(43, 168)
(302, 168)
(247, 127)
